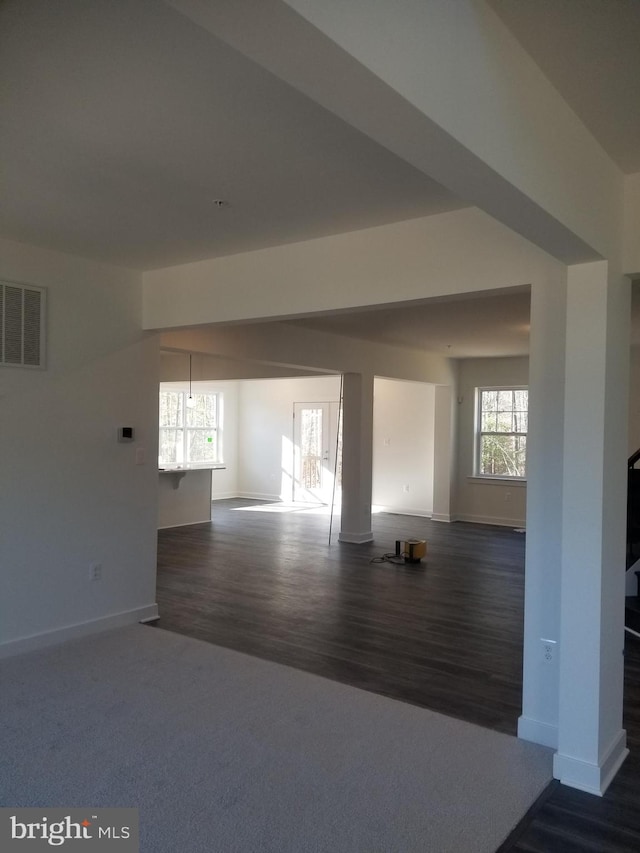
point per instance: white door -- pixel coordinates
(315, 430)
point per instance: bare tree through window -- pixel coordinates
(503, 421)
(189, 434)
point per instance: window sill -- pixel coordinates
(497, 481)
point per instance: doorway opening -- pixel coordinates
(317, 452)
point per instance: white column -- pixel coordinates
(539, 720)
(357, 457)
(591, 740)
(443, 457)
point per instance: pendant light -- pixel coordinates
(190, 400)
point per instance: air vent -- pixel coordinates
(21, 325)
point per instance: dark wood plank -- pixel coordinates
(445, 634)
(573, 821)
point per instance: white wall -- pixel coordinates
(174, 367)
(258, 429)
(70, 495)
(403, 430)
(485, 501)
(460, 252)
(634, 401)
(631, 253)
(266, 431)
(307, 351)
(403, 414)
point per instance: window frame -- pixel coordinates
(190, 430)
(479, 433)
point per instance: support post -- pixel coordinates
(357, 458)
(539, 719)
(591, 740)
(443, 434)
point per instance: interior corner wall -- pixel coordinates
(486, 502)
(403, 437)
(631, 244)
(265, 433)
(70, 494)
(634, 401)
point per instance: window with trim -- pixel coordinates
(501, 432)
(190, 428)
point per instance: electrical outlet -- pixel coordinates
(507, 497)
(405, 488)
(95, 571)
(548, 650)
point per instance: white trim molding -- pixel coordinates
(441, 516)
(259, 496)
(537, 732)
(185, 523)
(488, 480)
(82, 629)
(399, 510)
(356, 538)
(589, 777)
(491, 519)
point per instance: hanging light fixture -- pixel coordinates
(190, 400)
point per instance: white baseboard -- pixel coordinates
(441, 516)
(356, 538)
(257, 496)
(223, 496)
(185, 524)
(589, 777)
(395, 510)
(543, 733)
(490, 519)
(82, 629)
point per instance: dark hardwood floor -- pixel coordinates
(444, 634)
(573, 822)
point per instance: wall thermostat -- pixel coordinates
(125, 433)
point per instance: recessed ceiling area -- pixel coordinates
(123, 123)
(133, 136)
(590, 51)
(487, 324)
(490, 324)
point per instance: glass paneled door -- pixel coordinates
(315, 426)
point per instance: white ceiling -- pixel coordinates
(456, 327)
(590, 51)
(123, 122)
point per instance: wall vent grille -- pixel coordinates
(22, 325)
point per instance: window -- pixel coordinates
(501, 432)
(190, 434)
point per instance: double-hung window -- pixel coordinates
(190, 428)
(501, 432)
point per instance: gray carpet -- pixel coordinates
(224, 752)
